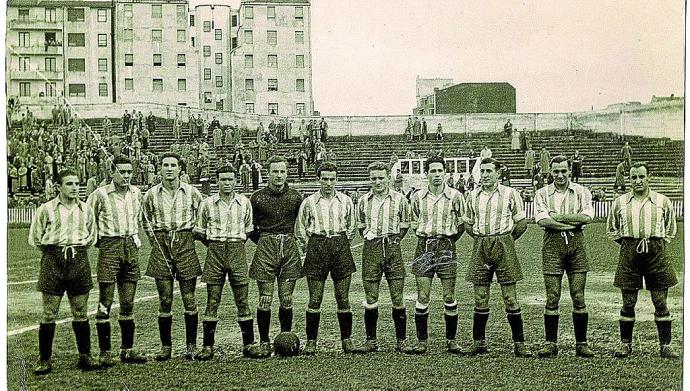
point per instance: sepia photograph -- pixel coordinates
(323, 194)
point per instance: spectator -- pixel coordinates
(245, 175)
(529, 162)
(626, 154)
(545, 160)
(217, 138)
(461, 184)
(324, 130)
(576, 164)
(193, 132)
(256, 174)
(485, 153)
(505, 175)
(417, 129)
(621, 173)
(107, 127)
(515, 141)
(425, 129)
(439, 132)
(523, 140)
(151, 123)
(538, 180)
(126, 119)
(177, 127)
(508, 128)
(398, 184)
(408, 128)
(215, 124)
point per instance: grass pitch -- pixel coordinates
(386, 369)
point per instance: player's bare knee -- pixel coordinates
(510, 302)
(423, 297)
(243, 309)
(79, 314)
(578, 299)
(49, 315)
(343, 303)
(449, 297)
(165, 304)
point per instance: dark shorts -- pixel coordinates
(382, 256)
(494, 254)
(178, 261)
(225, 258)
(59, 275)
(435, 256)
(326, 255)
(276, 257)
(118, 260)
(558, 257)
(654, 266)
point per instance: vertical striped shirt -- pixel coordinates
(437, 215)
(576, 199)
(221, 220)
(494, 212)
(56, 224)
(380, 216)
(325, 216)
(116, 215)
(652, 217)
(171, 211)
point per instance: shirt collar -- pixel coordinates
(446, 192)
(498, 187)
(552, 187)
(370, 194)
(235, 198)
(337, 194)
(58, 202)
(110, 188)
(651, 196)
(183, 187)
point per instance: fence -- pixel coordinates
(601, 211)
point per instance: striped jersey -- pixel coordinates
(56, 224)
(380, 216)
(325, 216)
(171, 210)
(116, 215)
(576, 199)
(652, 217)
(221, 220)
(433, 215)
(494, 212)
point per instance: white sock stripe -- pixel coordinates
(371, 306)
(627, 318)
(664, 318)
(450, 305)
(421, 306)
(314, 311)
(165, 315)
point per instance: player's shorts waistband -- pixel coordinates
(224, 241)
(497, 235)
(276, 235)
(320, 236)
(558, 232)
(55, 247)
(167, 231)
(435, 237)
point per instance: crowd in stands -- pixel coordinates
(417, 129)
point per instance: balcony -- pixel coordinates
(23, 24)
(36, 50)
(36, 75)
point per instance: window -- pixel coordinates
(191, 20)
(299, 109)
(181, 35)
(219, 58)
(249, 84)
(207, 73)
(75, 14)
(156, 11)
(207, 97)
(272, 37)
(158, 85)
(102, 89)
(129, 35)
(77, 90)
(207, 51)
(219, 34)
(273, 108)
(24, 88)
(102, 40)
(219, 81)
(249, 107)
(76, 40)
(299, 61)
(234, 21)
(50, 89)
(271, 12)
(299, 85)
(157, 60)
(51, 64)
(127, 10)
(207, 26)
(51, 14)
(129, 60)
(181, 60)
(76, 65)
(299, 37)
(299, 13)
(156, 35)
(234, 42)
(102, 65)
(248, 37)
(249, 12)
(193, 42)
(129, 84)
(248, 61)
(273, 61)
(24, 14)
(24, 39)
(24, 63)
(182, 84)
(102, 15)
(219, 105)
(273, 84)
(181, 12)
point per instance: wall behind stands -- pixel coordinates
(664, 119)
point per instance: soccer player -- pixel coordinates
(325, 225)
(62, 229)
(170, 209)
(222, 224)
(437, 220)
(383, 218)
(563, 208)
(495, 218)
(277, 255)
(643, 222)
(117, 210)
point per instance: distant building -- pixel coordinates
(272, 72)
(425, 94)
(469, 98)
(666, 99)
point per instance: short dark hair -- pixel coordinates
(490, 160)
(65, 173)
(377, 166)
(434, 159)
(177, 156)
(226, 168)
(559, 159)
(122, 159)
(638, 165)
(326, 166)
(276, 159)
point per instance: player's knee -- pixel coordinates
(286, 301)
(481, 299)
(578, 299)
(79, 314)
(510, 301)
(49, 315)
(423, 297)
(449, 297)
(343, 303)
(165, 304)
(103, 311)
(265, 302)
(397, 300)
(243, 309)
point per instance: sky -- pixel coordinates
(559, 55)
